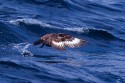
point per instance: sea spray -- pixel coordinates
(23, 49)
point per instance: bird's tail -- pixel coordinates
(37, 42)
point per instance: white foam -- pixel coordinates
(43, 24)
(82, 29)
(78, 29)
(31, 21)
(23, 48)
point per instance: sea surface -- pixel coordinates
(101, 23)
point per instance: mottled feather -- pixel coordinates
(60, 41)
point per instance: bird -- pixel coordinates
(59, 41)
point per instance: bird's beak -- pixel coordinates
(37, 42)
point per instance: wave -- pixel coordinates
(38, 27)
(96, 7)
(107, 1)
(30, 21)
(93, 32)
(7, 34)
(53, 3)
(100, 60)
(50, 3)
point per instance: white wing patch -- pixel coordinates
(70, 43)
(74, 43)
(59, 45)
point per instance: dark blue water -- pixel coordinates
(100, 22)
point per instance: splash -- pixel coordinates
(23, 49)
(78, 29)
(92, 31)
(31, 21)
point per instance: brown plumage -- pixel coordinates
(59, 41)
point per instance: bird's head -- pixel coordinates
(38, 42)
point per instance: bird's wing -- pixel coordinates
(58, 45)
(62, 40)
(73, 42)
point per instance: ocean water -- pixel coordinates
(101, 23)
